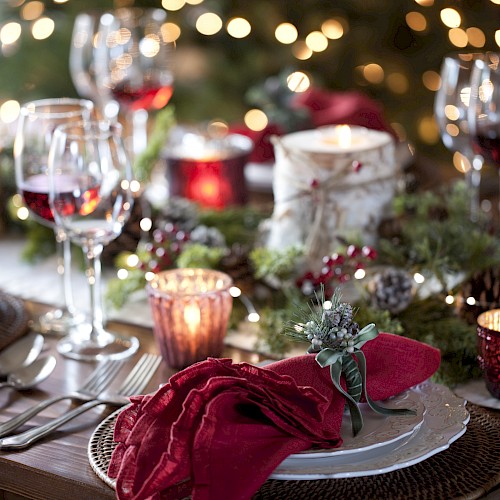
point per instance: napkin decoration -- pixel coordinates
(218, 429)
(337, 340)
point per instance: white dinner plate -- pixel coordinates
(445, 420)
(378, 430)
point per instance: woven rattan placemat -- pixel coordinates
(467, 470)
(13, 319)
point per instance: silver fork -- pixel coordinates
(135, 383)
(98, 381)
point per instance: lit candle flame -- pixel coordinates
(344, 135)
(192, 318)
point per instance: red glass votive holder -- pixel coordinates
(488, 348)
(191, 309)
(208, 171)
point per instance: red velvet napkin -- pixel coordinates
(218, 430)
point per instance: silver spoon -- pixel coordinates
(21, 353)
(31, 375)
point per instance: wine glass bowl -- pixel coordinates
(37, 122)
(91, 199)
(451, 106)
(137, 58)
(484, 111)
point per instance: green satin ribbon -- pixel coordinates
(333, 359)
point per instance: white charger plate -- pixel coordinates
(444, 422)
(378, 430)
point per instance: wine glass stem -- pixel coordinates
(139, 122)
(63, 246)
(93, 257)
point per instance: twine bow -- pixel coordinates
(342, 362)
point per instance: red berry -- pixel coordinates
(353, 251)
(314, 184)
(369, 252)
(337, 259)
(356, 166)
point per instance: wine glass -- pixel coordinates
(82, 63)
(134, 64)
(484, 109)
(37, 121)
(91, 199)
(450, 108)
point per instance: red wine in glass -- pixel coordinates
(146, 97)
(35, 192)
(487, 143)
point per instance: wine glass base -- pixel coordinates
(99, 347)
(59, 322)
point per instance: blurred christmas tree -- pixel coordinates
(390, 50)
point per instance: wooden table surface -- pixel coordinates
(57, 467)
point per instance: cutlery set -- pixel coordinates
(21, 368)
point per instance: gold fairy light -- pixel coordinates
(450, 17)
(173, 5)
(209, 23)
(416, 21)
(301, 51)
(333, 28)
(194, 2)
(428, 130)
(286, 33)
(42, 28)
(256, 120)
(461, 162)
(458, 37)
(149, 46)
(497, 37)
(431, 80)
(32, 10)
(316, 41)
(452, 130)
(398, 83)
(476, 37)
(298, 82)
(9, 111)
(425, 3)
(451, 112)
(170, 32)
(10, 33)
(238, 27)
(373, 73)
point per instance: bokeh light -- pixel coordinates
(209, 24)
(286, 33)
(256, 120)
(398, 83)
(173, 5)
(416, 21)
(301, 51)
(461, 163)
(170, 32)
(10, 33)
(32, 10)
(9, 111)
(298, 82)
(431, 80)
(458, 37)
(316, 41)
(425, 3)
(476, 37)
(373, 73)
(42, 28)
(450, 18)
(333, 29)
(238, 27)
(428, 130)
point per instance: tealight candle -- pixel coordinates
(208, 170)
(190, 309)
(488, 349)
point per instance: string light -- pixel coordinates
(9, 111)
(333, 28)
(316, 41)
(419, 278)
(286, 33)
(450, 18)
(10, 33)
(173, 5)
(238, 27)
(256, 120)
(42, 28)
(209, 23)
(298, 82)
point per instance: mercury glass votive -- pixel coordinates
(191, 309)
(488, 346)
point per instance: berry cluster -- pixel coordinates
(336, 268)
(163, 251)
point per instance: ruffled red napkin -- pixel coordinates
(218, 430)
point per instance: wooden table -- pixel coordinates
(57, 467)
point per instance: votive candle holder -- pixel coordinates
(488, 347)
(190, 309)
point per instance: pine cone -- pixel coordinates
(484, 287)
(237, 264)
(391, 290)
